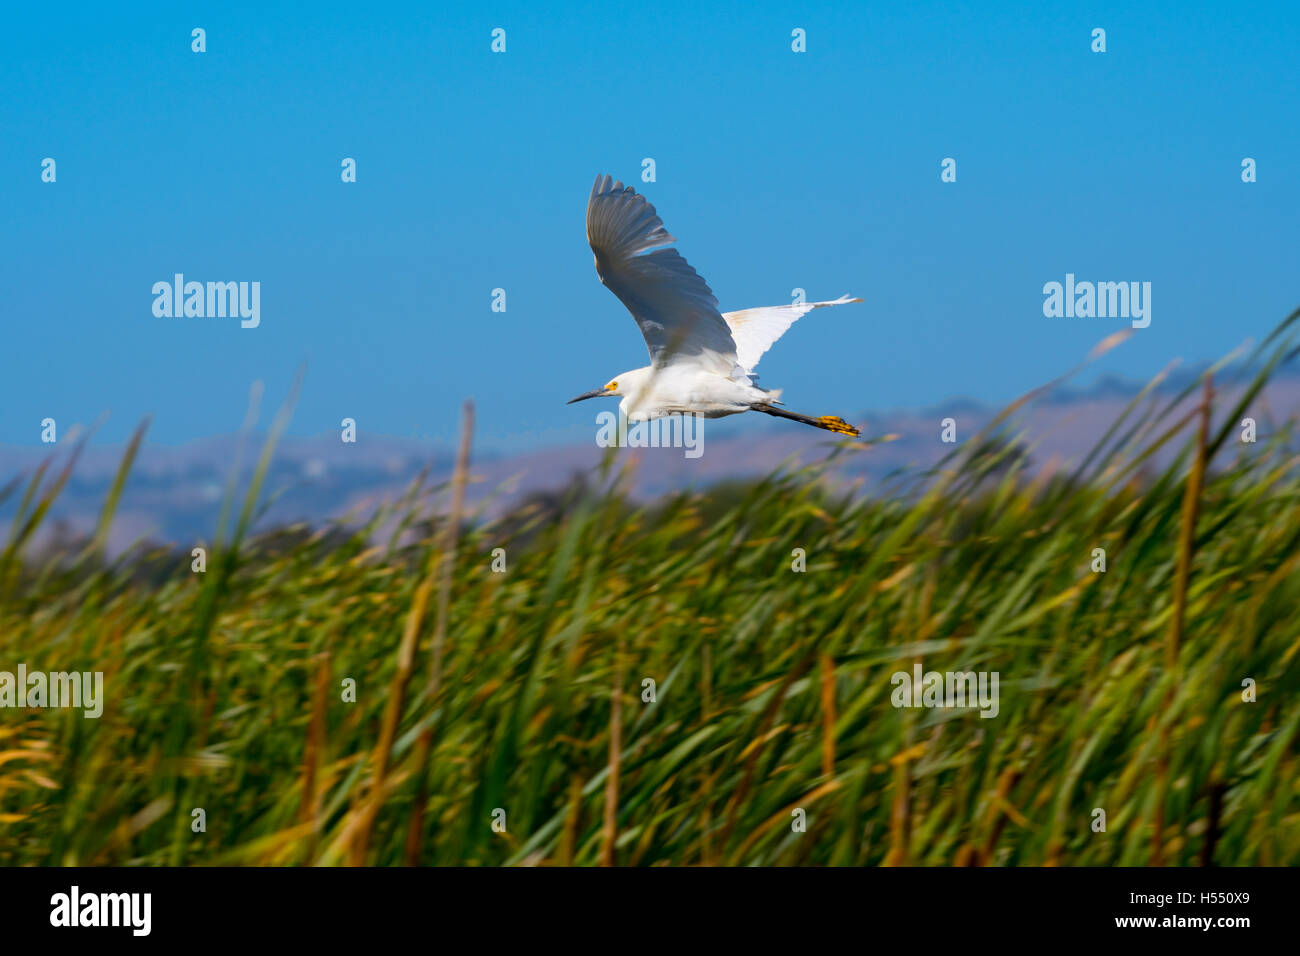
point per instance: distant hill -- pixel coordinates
(174, 494)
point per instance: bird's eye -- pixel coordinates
(612, 385)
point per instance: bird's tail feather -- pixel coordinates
(831, 423)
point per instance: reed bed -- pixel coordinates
(507, 718)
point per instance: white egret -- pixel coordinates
(702, 361)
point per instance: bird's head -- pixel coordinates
(618, 386)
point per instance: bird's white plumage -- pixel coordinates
(701, 362)
(754, 330)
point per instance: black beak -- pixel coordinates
(594, 393)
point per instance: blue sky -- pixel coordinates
(775, 170)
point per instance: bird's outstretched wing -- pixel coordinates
(674, 307)
(754, 330)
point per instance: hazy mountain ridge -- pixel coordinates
(174, 493)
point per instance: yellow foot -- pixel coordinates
(833, 423)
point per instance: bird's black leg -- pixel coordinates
(832, 423)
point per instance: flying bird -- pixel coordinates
(702, 361)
